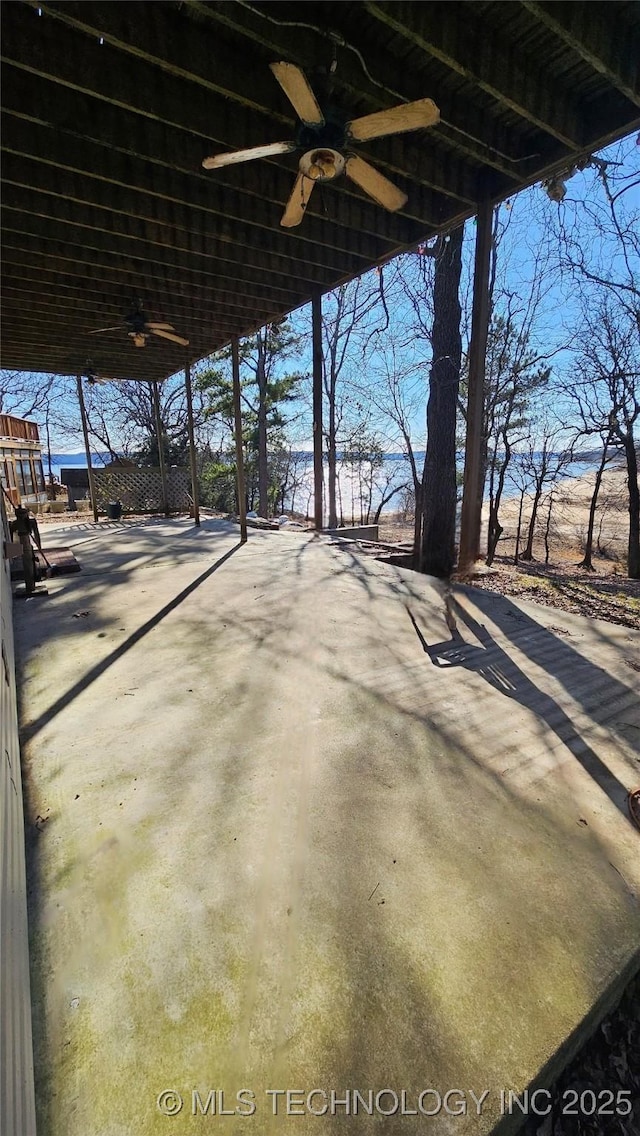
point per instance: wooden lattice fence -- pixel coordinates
(140, 490)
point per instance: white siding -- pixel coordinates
(17, 1106)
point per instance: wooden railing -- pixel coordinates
(11, 427)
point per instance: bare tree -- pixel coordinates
(597, 231)
(544, 462)
(25, 394)
(346, 328)
(514, 376)
(597, 240)
(395, 388)
(521, 478)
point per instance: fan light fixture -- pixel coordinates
(321, 165)
(556, 189)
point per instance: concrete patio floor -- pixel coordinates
(285, 832)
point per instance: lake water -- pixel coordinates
(395, 467)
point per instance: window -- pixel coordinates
(19, 477)
(39, 475)
(24, 468)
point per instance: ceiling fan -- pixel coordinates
(138, 328)
(325, 139)
(94, 376)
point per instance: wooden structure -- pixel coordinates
(146, 489)
(109, 110)
(21, 461)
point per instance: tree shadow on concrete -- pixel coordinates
(34, 728)
(493, 663)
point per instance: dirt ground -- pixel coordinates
(606, 593)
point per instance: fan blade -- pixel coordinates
(118, 327)
(160, 326)
(297, 202)
(378, 187)
(248, 155)
(396, 120)
(296, 87)
(171, 336)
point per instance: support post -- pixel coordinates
(316, 324)
(161, 461)
(192, 447)
(85, 431)
(237, 410)
(471, 516)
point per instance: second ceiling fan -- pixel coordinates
(138, 327)
(325, 139)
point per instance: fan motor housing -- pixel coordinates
(331, 134)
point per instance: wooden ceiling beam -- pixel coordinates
(129, 200)
(88, 317)
(65, 340)
(150, 239)
(82, 348)
(46, 326)
(64, 362)
(35, 152)
(97, 250)
(161, 39)
(18, 281)
(488, 60)
(156, 152)
(598, 38)
(216, 123)
(136, 276)
(478, 136)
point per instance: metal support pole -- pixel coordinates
(237, 410)
(85, 431)
(161, 461)
(316, 323)
(192, 447)
(471, 517)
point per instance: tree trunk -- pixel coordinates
(417, 527)
(495, 528)
(332, 461)
(547, 530)
(528, 552)
(516, 554)
(494, 533)
(439, 479)
(263, 465)
(587, 561)
(484, 467)
(633, 558)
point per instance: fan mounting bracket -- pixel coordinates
(330, 134)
